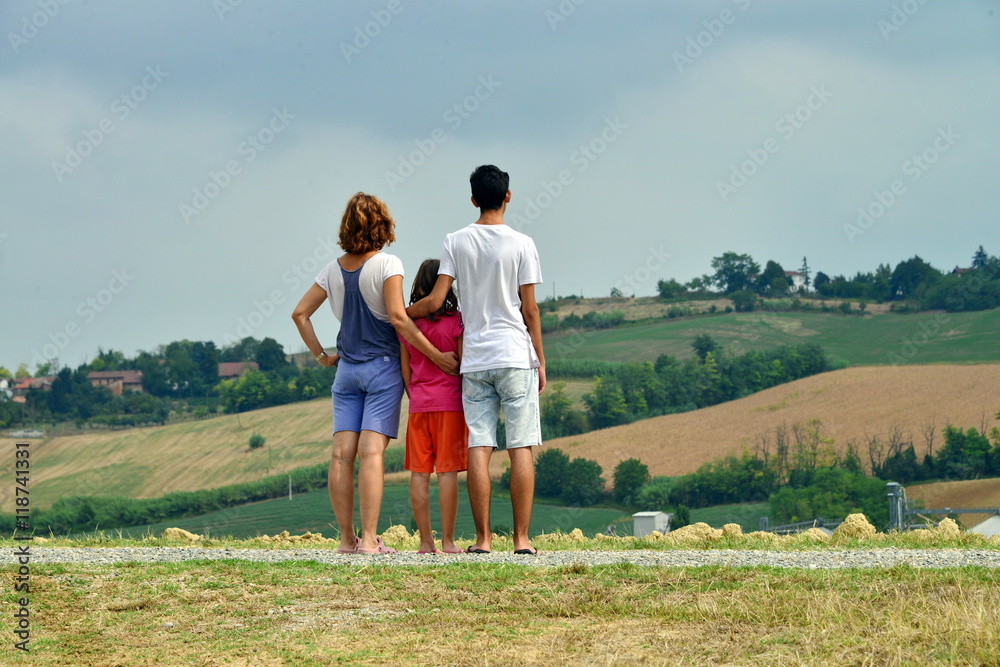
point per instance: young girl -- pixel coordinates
(436, 435)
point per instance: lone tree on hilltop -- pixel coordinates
(734, 272)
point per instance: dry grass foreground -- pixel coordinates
(850, 403)
(149, 462)
(304, 613)
(854, 533)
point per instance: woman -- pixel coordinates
(365, 289)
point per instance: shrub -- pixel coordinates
(629, 477)
(744, 301)
(654, 496)
(550, 470)
(257, 441)
(681, 518)
(583, 484)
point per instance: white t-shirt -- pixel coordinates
(374, 272)
(489, 263)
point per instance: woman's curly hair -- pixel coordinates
(366, 225)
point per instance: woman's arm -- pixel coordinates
(393, 292)
(404, 366)
(311, 300)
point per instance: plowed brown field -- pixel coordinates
(976, 493)
(850, 403)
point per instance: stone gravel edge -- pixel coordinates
(825, 559)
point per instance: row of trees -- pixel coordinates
(739, 275)
(579, 482)
(803, 476)
(636, 391)
(175, 377)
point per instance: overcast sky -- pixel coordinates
(178, 169)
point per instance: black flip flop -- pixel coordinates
(526, 552)
(476, 550)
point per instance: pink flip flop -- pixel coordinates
(380, 549)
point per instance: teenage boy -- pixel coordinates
(495, 269)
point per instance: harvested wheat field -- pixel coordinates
(984, 493)
(851, 404)
(149, 462)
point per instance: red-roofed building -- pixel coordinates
(21, 386)
(117, 381)
(230, 370)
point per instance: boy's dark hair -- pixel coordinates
(489, 187)
(423, 284)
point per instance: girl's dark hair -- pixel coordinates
(423, 284)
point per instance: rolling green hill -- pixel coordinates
(916, 338)
(312, 512)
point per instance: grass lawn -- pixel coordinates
(305, 613)
(934, 337)
(747, 515)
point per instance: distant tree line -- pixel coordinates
(911, 284)
(181, 376)
(628, 392)
(800, 473)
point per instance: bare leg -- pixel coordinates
(448, 498)
(421, 503)
(479, 494)
(340, 482)
(371, 472)
(522, 493)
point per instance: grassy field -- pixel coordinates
(311, 512)
(956, 338)
(239, 613)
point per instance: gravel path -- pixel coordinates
(826, 559)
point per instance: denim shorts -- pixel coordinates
(515, 390)
(367, 396)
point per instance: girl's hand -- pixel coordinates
(329, 360)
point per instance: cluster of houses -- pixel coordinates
(116, 381)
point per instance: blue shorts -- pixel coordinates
(513, 389)
(366, 396)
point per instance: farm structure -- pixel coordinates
(901, 512)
